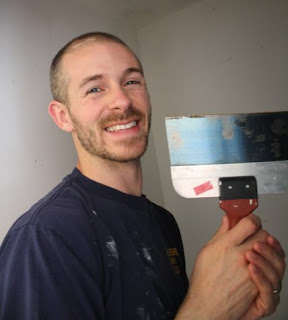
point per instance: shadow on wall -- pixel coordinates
(151, 177)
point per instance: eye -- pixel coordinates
(93, 90)
(130, 82)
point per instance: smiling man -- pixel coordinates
(95, 247)
(115, 99)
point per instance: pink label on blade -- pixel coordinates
(203, 188)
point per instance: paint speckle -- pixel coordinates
(151, 273)
(228, 59)
(261, 138)
(38, 164)
(148, 261)
(160, 303)
(146, 254)
(94, 212)
(111, 248)
(278, 127)
(228, 131)
(176, 140)
(249, 133)
(142, 314)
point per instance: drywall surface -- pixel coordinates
(217, 56)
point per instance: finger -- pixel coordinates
(244, 229)
(272, 256)
(273, 242)
(266, 302)
(266, 269)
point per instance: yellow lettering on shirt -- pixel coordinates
(172, 253)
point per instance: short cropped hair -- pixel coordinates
(58, 79)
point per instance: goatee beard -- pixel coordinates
(135, 147)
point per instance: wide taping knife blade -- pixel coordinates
(230, 156)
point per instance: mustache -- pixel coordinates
(131, 112)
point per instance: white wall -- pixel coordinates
(217, 56)
(35, 154)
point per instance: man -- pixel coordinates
(95, 247)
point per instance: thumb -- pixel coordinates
(245, 228)
(224, 227)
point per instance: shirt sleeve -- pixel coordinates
(41, 277)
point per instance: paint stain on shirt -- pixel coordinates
(110, 245)
(142, 314)
(147, 254)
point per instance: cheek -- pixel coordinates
(141, 100)
(88, 113)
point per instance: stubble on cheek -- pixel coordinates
(128, 150)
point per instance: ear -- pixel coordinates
(59, 113)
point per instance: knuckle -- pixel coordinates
(253, 225)
(263, 233)
(271, 308)
(256, 219)
(275, 281)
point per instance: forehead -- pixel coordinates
(98, 58)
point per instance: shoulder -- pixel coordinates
(62, 203)
(58, 225)
(61, 214)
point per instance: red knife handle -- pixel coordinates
(238, 209)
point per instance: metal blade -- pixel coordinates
(207, 147)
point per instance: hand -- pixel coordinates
(267, 267)
(221, 286)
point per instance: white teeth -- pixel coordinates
(121, 127)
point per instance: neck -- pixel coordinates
(125, 177)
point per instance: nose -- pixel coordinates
(119, 100)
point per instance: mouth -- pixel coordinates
(122, 127)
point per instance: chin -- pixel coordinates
(126, 153)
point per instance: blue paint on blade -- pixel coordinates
(237, 138)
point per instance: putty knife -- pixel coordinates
(231, 156)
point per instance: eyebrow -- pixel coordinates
(133, 69)
(100, 76)
(90, 78)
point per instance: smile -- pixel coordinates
(122, 127)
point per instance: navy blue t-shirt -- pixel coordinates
(87, 251)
